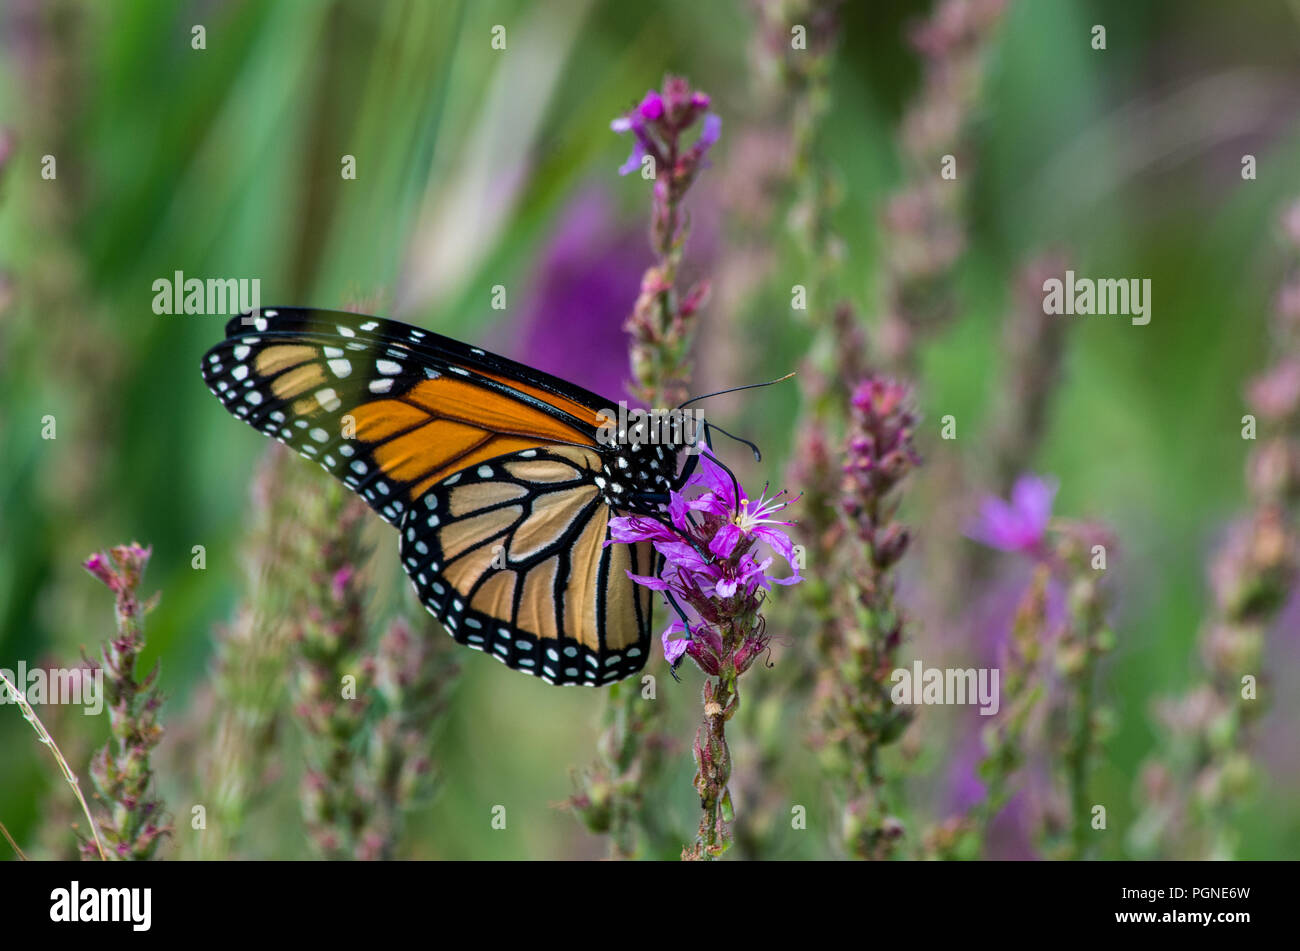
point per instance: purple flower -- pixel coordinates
(650, 109)
(634, 160)
(121, 567)
(709, 540)
(1019, 525)
(880, 450)
(657, 123)
(674, 648)
(704, 646)
(740, 517)
(711, 130)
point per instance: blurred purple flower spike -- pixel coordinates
(571, 322)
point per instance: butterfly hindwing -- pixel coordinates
(510, 555)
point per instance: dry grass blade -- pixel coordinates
(12, 843)
(44, 736)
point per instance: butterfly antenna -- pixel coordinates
(758, 456)
(735, 483)
(735, 389)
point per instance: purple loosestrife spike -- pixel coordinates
(863, 626)
(611, 797)
(1019, 525)
(132, 822)
(709, 545)
(1195, 801)
(662, 319)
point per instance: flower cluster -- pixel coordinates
(662, 321)
(329, 642)
(132, 821)
(711, 562)
(880, 453)
(414, 671)
(611, 798)
(657, 123)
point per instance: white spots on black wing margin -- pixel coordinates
(563, 662)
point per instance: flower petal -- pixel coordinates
(634, 528)
(674, 649)
(726, 540)
(709, 133)
(651, 107)
(778, 540)
(652, 582)
(1032, 498)
(634, 160)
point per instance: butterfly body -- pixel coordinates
(501, 479)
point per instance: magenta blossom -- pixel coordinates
(1019, 525)
(712, 543)
(658, 121)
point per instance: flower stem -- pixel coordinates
(713, 758)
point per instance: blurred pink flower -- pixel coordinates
(1019, 525)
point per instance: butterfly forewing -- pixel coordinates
(390, 410)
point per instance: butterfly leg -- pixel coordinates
(672, 669)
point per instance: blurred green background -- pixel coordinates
(226, 162)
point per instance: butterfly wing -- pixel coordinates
(510, 555)
(389, 409)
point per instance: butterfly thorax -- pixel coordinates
(632, 471)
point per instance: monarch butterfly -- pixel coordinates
(494, 474)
